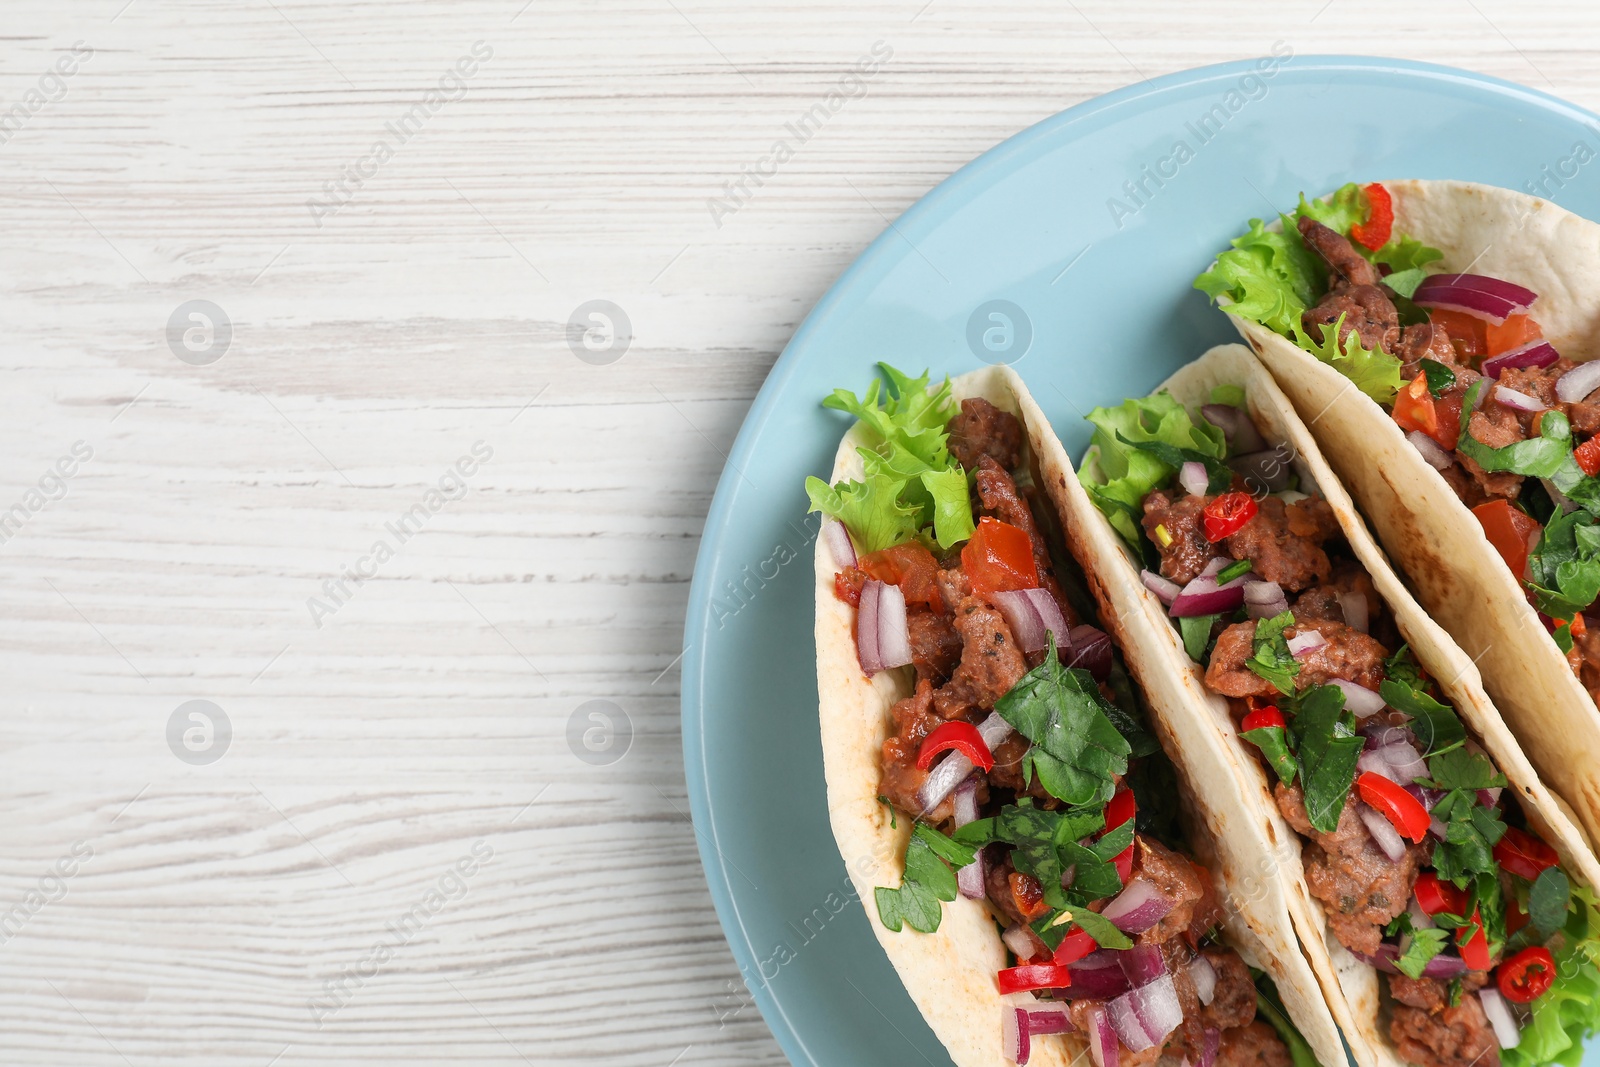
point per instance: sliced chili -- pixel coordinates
(1474, 944)
(1523, 854)
(1528, 975)
(1374, 233)
(1227, 514)
(961, 736)
(1033, 976)
(1436, 895)
(1395, 804)
(1122, 808)
(1262, 717)
(1074, 947)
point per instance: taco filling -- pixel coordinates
(1021, 757)
(1460, 363)
(1422, 860)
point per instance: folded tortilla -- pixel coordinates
(1170, 676)
(1456, 573)
(950, 974)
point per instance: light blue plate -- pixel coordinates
(1101, 273)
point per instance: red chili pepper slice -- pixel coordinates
(1374, 233)
(1523, 854)
(1225, 515)
(1396, 805)
(1262, 717)
(1034, 976)
(1436, 895)
(1528, 975)
(1474, 944)
(1074, 947)
(961, 736)
(1121, 808)
(1588, 456)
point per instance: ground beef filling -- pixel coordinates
(1283, 542)
(966, 658)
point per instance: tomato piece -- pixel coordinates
(999, 558)
(1395, 804)
(1028, 976)
(961, 736)
(1227, 514)
(1413, 407)
(1449, 431)
(847, 585)
(1516, 330)
(910, 566)
(1074, 947)
(1374, 233)
(1474, 944)
(1588, 456)
(1436, 895)
(1466, 332)
(1523, 854)
(1510, 531)
(1267, 716)
(1528, 975)
(1579, 627)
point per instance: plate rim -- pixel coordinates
(926, 209)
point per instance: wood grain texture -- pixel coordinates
(210, 907)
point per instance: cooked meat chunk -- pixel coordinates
(1360, 887)
(1256, 1045)
(1366, 311)
(1018, 896)
(981, 429)
(990, 664)
(1233, 1003)
(899, 778)
(953, 587)
(1346, 266)
(1347, 654)
(1424, 340)
(1283, 542)
(1227, 673)
(1450, 1037)
(1496, 426)
(1176, 878)
(1324, 601)
(935, 645)
(1183, 545)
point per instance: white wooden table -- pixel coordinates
(391, 853)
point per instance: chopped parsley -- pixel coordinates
(1273, 741)
(1548, 900)
(1426, 943)
(925, 883)
(1196, 631)
(1077, 752)
(1329, 748)
(1440, 377)
(1471, 829)
(1435, 724)
(1272, 659)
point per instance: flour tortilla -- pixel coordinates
(1351, 986)
(950, 974)
(1453, 569)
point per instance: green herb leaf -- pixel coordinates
(1405, 283)
(1077, 753)
(1460, 769)
(1105, 935)
(926, 882)
(1371, 370)
(1548, 901)
(1537, 457)
(1440, 377)
(1329, 748)
(1196, 630)
(1119, 476)
(1425, 944)
(1470, 835)
(1272, 659)
(1436, 725)
(1273, 741)
(1564, 567)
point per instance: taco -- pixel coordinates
(1453, 915)
(1007, 804)
(1459, 410)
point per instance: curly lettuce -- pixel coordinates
(1373, 371)
(1123, 476)
(910, 482)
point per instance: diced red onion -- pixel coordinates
(1031, 613)
(1164, 588)
(966, 801)
(1144, 1017)
(1489, 797)
(1303, 643)
(1142, 964)
(1264, 600)
(1477, 295)
(839, 546)
(1103, 1048)
(1578, 382)
(1361, 701)
(969, 879)
(1204, 977)
(1374, 760)
(867, 628)
(1426, 797)
(1516, 401)
(1380, 733)
(1046, 1018)
(1237, 428)
(1355, 608)
(1506, 1031)
(1204, 596)
(949, 771)
(1268, 470)
(1211, 1043)
(1091, 650)
(1533, 354)
(1444, 965)
(1099, 976)
(1014, 1033)
(894, 638)
(1192, 476)
(1383, 832)
(1024, 943)
(1436, 457)
(1138, 907)
(1408, 764)
(1214, 566)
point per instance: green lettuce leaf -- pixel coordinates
(1267, 277)
(1537, 457)
(1373, 371)
(1125, 474)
